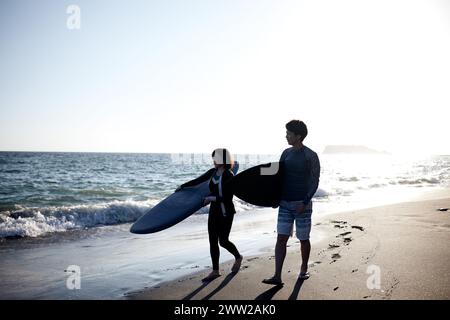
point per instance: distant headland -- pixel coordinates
(351, 149)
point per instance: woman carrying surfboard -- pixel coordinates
(221, 210)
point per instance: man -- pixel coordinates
(299, 183)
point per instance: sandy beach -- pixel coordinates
(397, 251)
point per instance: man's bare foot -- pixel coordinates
(213, 275)
(304, 275)
(303, 268)
(273, 281)
(237, 264)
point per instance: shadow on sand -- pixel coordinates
(225, 281)
(268, 294)
(296, 290)
(193, 293)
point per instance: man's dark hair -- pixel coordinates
(298, 127)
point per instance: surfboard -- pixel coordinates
(174, 209)
(259, 185)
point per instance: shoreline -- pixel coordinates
(403, 243)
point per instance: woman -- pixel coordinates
(221, 211)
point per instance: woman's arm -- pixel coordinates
(204, 177)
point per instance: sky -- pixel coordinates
(191, 76)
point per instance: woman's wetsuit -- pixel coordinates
(221, 213)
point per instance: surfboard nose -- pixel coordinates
(136, 229)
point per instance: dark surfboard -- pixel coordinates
(259, 185)
(173, 209)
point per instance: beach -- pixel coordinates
(62, 213)
(396, 251)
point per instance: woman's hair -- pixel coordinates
(298, 127)
(223, 156)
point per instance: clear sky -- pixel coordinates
(190, 76)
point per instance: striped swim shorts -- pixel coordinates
(287, 214)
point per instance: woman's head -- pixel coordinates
(222, 157)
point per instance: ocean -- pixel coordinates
(44, 193)
(59, 210)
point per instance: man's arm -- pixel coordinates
(283, 154)
(315, 175)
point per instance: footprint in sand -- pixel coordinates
(251, 259)
(335, 257)
(358, 227)
(333, 246)
(347, 241)
(343, 234)
(313, 264)
(339, 222)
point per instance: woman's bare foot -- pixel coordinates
(237, 264)
(213, 275)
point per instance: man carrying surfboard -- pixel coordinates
(299, 182)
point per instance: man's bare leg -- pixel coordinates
(305, 249)
(280, 254)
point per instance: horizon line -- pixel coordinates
(196, 152)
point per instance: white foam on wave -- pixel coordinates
(348, 179)
(34, 222)
(418, 181)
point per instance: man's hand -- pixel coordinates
(301, 208)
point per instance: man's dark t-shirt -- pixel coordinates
(301, 174)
